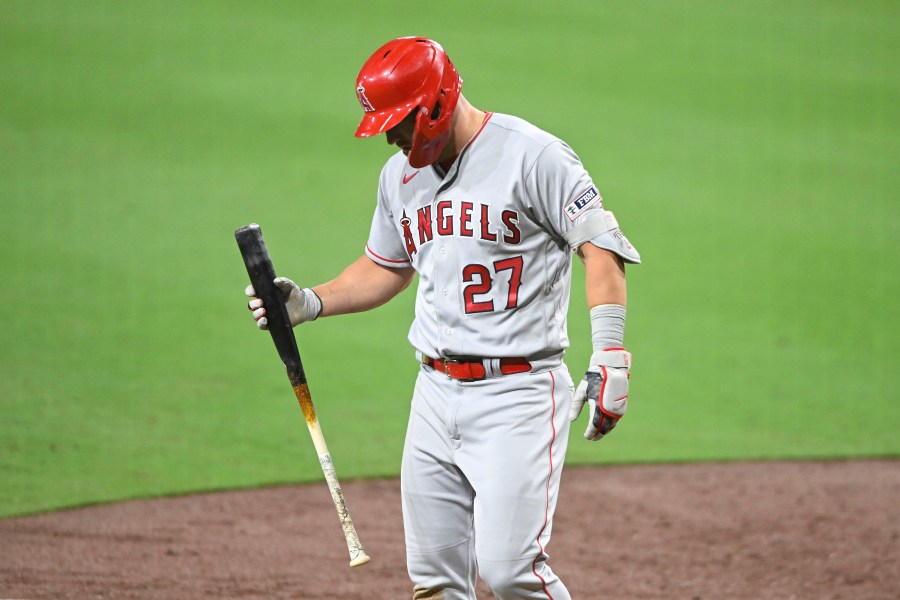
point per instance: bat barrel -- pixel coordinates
(262, 276)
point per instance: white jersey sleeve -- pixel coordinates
(562, 192)
(385, 246)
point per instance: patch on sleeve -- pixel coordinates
(576, 207)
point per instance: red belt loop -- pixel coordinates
(473, 369)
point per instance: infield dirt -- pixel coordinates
(765, 530)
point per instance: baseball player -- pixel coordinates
(488, 210)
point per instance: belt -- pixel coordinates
(476, 369)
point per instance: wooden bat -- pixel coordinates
(262, 276)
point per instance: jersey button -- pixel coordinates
(449, 332)
(445, 291)
(443, 250)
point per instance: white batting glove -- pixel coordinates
(302, 303)
(605, 390)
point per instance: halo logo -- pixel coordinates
(407, 235)
(361, 94)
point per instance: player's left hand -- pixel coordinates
(302, 303)
(605, 389)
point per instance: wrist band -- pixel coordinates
(608, 326)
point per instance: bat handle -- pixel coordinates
(358, 555)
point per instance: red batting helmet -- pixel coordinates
(406, 74)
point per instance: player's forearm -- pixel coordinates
(362, 286)
(604, 276)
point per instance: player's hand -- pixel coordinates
(605, 390)
(302, 303)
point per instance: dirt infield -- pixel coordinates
(817, 530)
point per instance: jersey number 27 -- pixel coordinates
(480, 281)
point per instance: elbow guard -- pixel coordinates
(602, 230)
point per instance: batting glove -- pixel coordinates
(605, 390)
(302, 303)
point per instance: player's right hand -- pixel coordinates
(302, 303)
(605, 390)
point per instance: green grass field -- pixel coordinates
(745, 147)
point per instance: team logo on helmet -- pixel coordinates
(361, 94)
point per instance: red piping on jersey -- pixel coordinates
(549, 477)
(369, 250)
(448, 164)
(487, 117)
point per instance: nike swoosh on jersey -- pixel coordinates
(409, 178)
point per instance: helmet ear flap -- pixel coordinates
(429, 138)
(433, 132)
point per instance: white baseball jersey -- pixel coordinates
(491, 241)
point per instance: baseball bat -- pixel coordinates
(262, 275)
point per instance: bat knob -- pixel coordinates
(360, 560)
